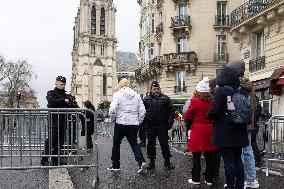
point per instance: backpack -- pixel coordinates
(239, 108)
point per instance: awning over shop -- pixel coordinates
(261, 84)
(277, 79)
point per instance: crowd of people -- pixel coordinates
(222, 116)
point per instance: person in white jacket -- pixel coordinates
(128, 111)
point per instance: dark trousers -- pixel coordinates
(130, 132)
(234, 168)
(254, 146)
(142, 133)
(54, 142)
(216, 163)
(161, 132)
(197, 168)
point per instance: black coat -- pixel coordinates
(90, 124)
(226, 134)
(159, 110)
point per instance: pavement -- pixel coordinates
(127, 178)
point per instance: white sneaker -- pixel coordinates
(190, 181)
(253, 184)
(143, 168)
(208, 183)
(113, 169)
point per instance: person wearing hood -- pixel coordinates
(201, 132)
(247, 154)
(158, 120)
(228, 137)
(128, 111)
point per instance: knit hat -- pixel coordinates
(203, 85)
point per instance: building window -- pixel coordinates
(93, 49)
(180, 81)
(152, 50)
(221, 13)
(257, 44)
(153, 23)
(103, 22)
(146, 54)
(218, 71)
(181, 45)
(182, 10)
(103, 49)
(93, 20)
(221, 54)
(104, 85)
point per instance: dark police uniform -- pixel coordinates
(158, 120)
(56, 99)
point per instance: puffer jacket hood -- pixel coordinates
(127, 93)
(228, 77)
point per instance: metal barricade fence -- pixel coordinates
(275, 146)
(106, 128)
(48, 138)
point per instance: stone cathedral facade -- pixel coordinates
(94, 52)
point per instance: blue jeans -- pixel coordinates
(249, 162)
(130, 132)
(234, 169)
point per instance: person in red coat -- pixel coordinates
(201, 132)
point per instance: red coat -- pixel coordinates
(201, 132)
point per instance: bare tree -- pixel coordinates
(17, 78)
(2, 68)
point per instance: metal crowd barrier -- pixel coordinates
(275, 146)
(48, 138)
(178, 133)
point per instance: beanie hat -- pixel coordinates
(203, 85)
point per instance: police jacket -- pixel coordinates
(56, 98)
(159, 110)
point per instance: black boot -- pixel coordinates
(168, 164)
(151, 165)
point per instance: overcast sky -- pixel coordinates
(41, 31)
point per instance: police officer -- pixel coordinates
(158, 120)
(56, 98)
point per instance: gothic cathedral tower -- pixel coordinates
(94, 52)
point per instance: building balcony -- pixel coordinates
(179, 89)
(221, 58)
(178, 2)
(250, 9)
(257, 64)
(222, 21)
(180, 25)
(155, 62)
(185, 60)
(160, 29)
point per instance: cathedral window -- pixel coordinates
(103, 49)
(104, 84)
(93, 20)
(103, 22)
(93, 49)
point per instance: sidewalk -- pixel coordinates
(160, 178)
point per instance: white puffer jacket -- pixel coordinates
(126, 107)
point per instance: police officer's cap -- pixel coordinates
(61, 78)
(155, 84)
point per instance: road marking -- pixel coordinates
(60, 179)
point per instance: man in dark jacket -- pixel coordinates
(247, 154)
(56, 98)
(158, 120)
(229, 138)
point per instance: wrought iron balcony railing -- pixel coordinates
(222, 20)
(155, 62)
(221, 57)
(250, 9)
(160, 28)
(258, 64)
(180, 21)
(180, 57)
(178, 89)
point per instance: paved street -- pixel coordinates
(127, 178)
